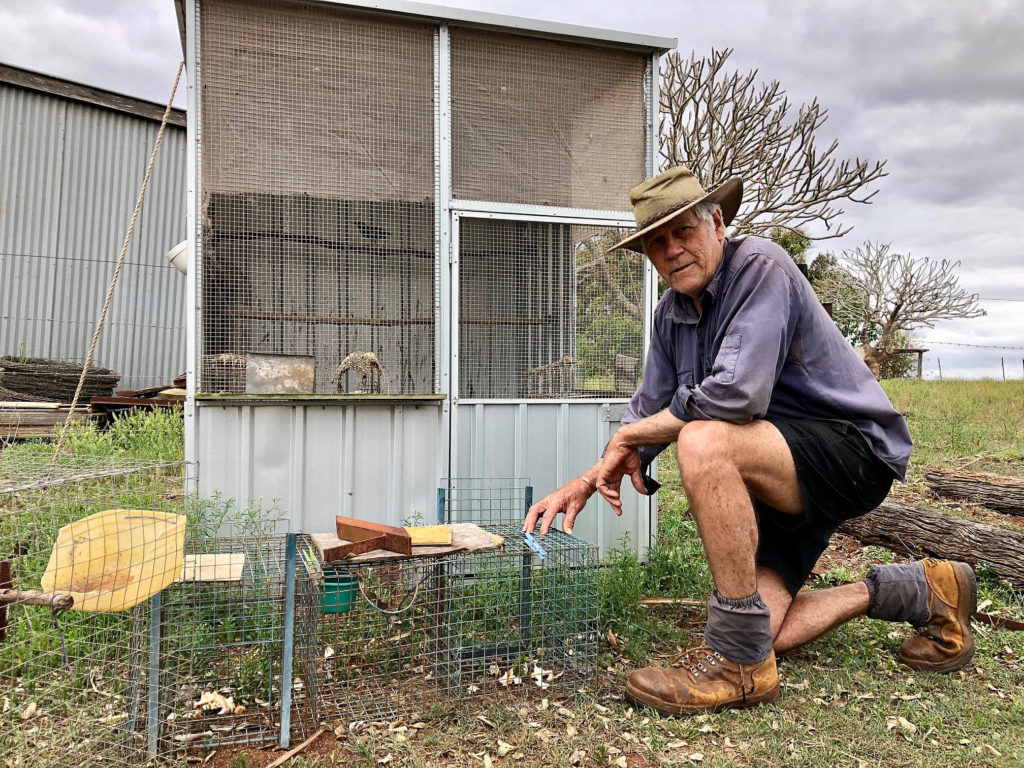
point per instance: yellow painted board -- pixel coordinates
(430, 535)
(116, 559)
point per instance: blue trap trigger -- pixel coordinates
(533, 544)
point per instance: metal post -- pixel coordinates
(153, 710)
(440, 506)
(526, 586)
(939, 359)
(1002, 361)
(289, 639)
(192, 196)
(920, 363)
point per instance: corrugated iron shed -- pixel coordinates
(73, 159)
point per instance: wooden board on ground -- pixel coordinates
(22, 423)
(466, 537)
(226, 566)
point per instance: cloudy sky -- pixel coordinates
(934, 86)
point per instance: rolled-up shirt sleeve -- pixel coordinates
(752, 344)
(655, 391)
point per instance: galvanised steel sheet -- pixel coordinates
(71, 174)
(550, 443)
(384, 463)
(314, 462)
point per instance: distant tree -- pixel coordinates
(723, 124)
(793, 241)
(882, 296)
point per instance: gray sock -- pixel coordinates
(898, 592)
(740, 630)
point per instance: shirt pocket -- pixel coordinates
(728, 354)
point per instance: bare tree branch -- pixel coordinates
(892, 293)
(722, 124)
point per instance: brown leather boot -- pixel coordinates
(707, 682)
(945, 643)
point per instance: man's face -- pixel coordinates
(686, 251)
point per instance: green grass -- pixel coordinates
(840, 694)
(956, 422)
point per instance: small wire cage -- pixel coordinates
(184, 636)
(71, 688)
(404, 636)
(233, 635)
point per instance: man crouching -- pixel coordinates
(782, 433)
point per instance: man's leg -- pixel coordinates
(797, 621)
(722, 466)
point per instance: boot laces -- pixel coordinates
(695, 658)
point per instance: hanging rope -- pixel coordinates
(117, 269)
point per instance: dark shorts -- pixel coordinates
(839, 478)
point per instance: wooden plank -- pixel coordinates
(20, 404)
(226, 566)
(466, 537)
(430, 535)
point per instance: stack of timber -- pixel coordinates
(1003, 494)
(21, 420)
(164, 396)
(51, 381)
(926, 533)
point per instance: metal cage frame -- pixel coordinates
(449, 211)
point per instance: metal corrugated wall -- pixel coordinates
(549, 444)
(384, 463)
(314, 462)
(70, 176)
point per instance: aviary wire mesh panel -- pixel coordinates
(546, 122)
(547, 311)
(317, 209)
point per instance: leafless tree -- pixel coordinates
(892, 293)
(722, 124)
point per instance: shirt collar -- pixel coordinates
(681, 308)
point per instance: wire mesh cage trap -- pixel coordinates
(404, 636)
(131, 630)
(70, 676)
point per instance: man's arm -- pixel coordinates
(621, 456)
(568, 500)
(653, 394)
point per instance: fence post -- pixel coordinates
(153, 708)
(289, 639)
(440, 506)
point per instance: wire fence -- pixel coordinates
(137, 623)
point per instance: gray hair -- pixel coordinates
(705, 211)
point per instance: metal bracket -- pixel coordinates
(533, 544)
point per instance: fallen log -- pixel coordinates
(923, 532)
(1003, 494)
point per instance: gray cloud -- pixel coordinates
(937, 87)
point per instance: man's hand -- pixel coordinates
(619, 460)
(567, 500)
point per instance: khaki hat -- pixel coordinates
(671, 193)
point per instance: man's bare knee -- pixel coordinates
(702, 446)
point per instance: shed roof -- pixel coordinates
(497, 21)
(87, 94)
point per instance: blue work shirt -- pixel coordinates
(762, 347)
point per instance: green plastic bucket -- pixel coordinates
(338, 593)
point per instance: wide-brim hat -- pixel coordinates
(672, 193)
